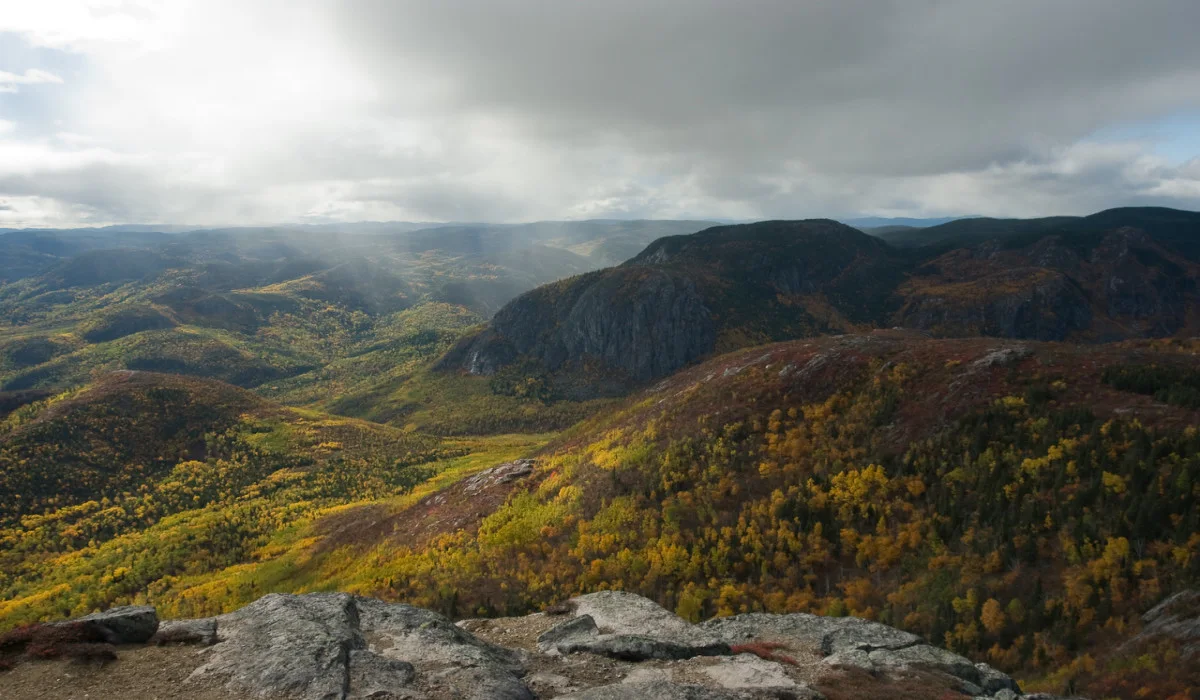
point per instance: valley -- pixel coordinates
(983, 432)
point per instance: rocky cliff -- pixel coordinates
(602, 646)
(685, 297)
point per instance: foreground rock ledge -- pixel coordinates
(602, 646)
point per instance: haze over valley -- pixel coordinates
(592, 351)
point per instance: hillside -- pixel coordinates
(296, 313)
(685, 297)
(1022, 503)
(1177, 228)
(119, 487)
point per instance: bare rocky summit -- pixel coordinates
(601, 646)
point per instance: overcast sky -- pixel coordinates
(261, 111)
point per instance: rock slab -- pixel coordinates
(130, 624)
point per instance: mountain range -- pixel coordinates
(981, 432)
(1120, 274)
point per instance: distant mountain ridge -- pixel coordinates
(1123, 273)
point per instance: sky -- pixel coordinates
(242, 112)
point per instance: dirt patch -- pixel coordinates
(139, 673)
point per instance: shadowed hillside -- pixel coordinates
(1115, 275)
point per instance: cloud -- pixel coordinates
(233, 112)
(9, 82)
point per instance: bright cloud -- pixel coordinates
(225, 111)
(10, 82)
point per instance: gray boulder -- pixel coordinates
(746, 672)
(463, 665)
(617, 612)
(287, 645)
(826, 635)
(928, 657)
(373, 676)
(628, 627)
(848, 642)
(130, 624)
(201, 631)
(994, 681)
(573, 630)
(334, 646)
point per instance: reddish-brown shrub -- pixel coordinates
(764, 650)
(17, 638)
(53, 641)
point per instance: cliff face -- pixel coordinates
(645, 321)
(1120, 285)
(676, 301)
(685, 297)
(602, 646)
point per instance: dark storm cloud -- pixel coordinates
(875, 87)
(504, 110)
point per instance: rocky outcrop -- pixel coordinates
(202, 631)
(646, 323)
(1032, 303)
(132, 624)
(1177, 620)
(327, 646)
(602, 646)
(668, 306)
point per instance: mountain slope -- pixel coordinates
(1013, 499)
(1174, 227)
(685, 297)
(280, 310)
(120, 485)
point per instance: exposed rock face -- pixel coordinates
(202, 631)
(1035, 305)
(605, 646)
(667, 307)
(1118, 285)
(333, 646)
(1176, 619)
(132, 624)
(748, 672)
(505, 473)
(645, 322)
(848, 642)
(628, 627)
(684, 296)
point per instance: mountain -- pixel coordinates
(986, 443)
(1172, 226)
(685, 297)
(139, 479)
(880, 222)
(125, 435)
(258, 306)
(1022, 503)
